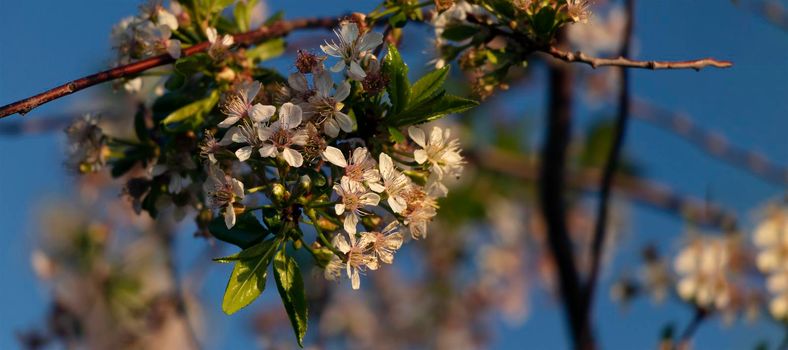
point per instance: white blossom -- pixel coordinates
(222, 191)
(360, 167)
(441, 153)
(702, 267)
(395, 183)
(357, 258)
(247, 133)
(384, 243)
(354, 197)
(219, 44)
(282, 135)
(351, 48)
(238, 104)
(419, 211)
(327, 108)
(771, 237)
(578, 11)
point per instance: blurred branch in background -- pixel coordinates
(640, 191)
(771, 10)
(711, 142)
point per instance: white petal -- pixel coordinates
(350, 222)
(298, 82)
(339, 208)
(292, 157)
(229, 217)
(338, 67)
(343, 90)
(290, 115)
(244, 153)
(344, 121)
(334, 155)
(370, 199)
(212, 34)
(268, 150)
(174, 48)
(370, 41)
(349, 32)
(420, 156)
(397, 204)
(229, 121)
(355, 280)
(376, 186)
(323, 83)
(261, 113)
(417, 135)
(252, 89)
(238, 188)
(356, 72)
(331, 128)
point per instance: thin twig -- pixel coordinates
(278, 29)
(711, 142)
(554, 152)
(692, 327)
(628, 63)
(609, 170)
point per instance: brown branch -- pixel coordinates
(611, 165)
(552, 191)
(711, 142)
(628, 63)
(278, 29)
(640, 191)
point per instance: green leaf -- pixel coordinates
(196, 108)
(501, 8)
(428, 86)
(242, 12)
(460, 32)
(219, 5)
(398, 20)
(291, 288)
(193, 64)
(544, 21)
(248, 278)
(246, 232)
(140, 129)
(396, 135)
(433, 109)
(266, 50)
(399, 85)
(276, 17)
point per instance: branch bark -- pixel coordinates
(551, 189)
(623, 62)
(280, 28)
(609, 171)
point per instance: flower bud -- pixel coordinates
(305, 183)
(326, 225)
(323, 255)
(279, 192)
(226, 75)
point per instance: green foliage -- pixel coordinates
(399, 85)
(266, 50)
(247, 281)
(194, 110)
(242, 14)
(425, 101)
(247, 230)
(291, 288)
(544, 22)
(460, 32)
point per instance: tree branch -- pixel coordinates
(280, 28)
(628, 63)
(711, 142)
(551, 190)
(611, 165)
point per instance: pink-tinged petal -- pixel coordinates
(420, 156)
(356, 72)
(331, 128)
(239, 137)
(268, 150)
(297, 82)
(343, 91)
(229, 121)
(290, 116)
(417, 135)
(344, 121)
(292, 157)
(261, 113)
(335, 156)
(228, 136)
(350, 222)
(229, 217)
(370, 41)
(244, 153)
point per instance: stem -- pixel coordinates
(552, 202)
(609, 172)
(322, 237)
(692, 327)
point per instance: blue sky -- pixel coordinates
(45, 43)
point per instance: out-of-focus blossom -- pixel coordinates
(703, 266)
(222, 192)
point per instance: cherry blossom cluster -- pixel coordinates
(771, 237)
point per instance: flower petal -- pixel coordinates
(292, 157)
(244, 153)
(335, 156)
(261, 113)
